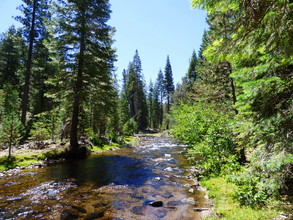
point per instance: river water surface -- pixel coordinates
(123, 184)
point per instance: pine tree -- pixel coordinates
(168, 83)
(34, 12)
(157, 107)
(160, 89)
(11, 128)
(191, 73)
(84, 41)
(151, 104)
(136, 93)
(11, 51)
(124, 104)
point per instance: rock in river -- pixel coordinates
(156, 204)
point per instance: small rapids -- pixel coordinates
(149, 181)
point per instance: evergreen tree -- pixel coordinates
(160, 90)
(124, 105)
(191, 73)
(11, 48)
(34, 12)
(84, 41)
(136, 94)
(11, 128)
(151, 104)
(168, 83)
(157, 107)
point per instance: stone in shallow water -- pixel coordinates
(170, 169)
(94, 215)
(176, 203)
(167, 195)
(156, 204)
(121, 204)
(138, 210)
(201, 209)
(161, 213)
(100, 205)
(68, 214)
(189, 200)
(82, 210)
(191, 190)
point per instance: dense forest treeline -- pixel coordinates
(57, 78)
(236, 117)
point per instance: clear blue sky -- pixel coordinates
(156, 28)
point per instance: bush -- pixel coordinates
(264, 178)
(207, 132)
(130, 127)
(39, 133)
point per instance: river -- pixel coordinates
(149, 181)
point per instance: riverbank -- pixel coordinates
(29, 156)
(226, 207)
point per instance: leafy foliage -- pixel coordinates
(245, 67)
(208, 134)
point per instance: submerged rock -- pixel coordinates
(95, 215)
(201, 209)
(82, 210)
(189, 200)
(68, 214)
(121, 204)
(175, 203)
(156, 204)
(161, 213)
(139, 210)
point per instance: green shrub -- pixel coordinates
(208, 133)
(39, 132)
(264, 178)
(130, 127)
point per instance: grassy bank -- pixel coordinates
(226, 207)
(25, 158)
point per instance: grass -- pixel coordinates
(226, 207)
(131, 140)
(104, 147)
(25, 159)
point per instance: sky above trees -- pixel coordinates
(156, 28)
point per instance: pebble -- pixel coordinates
(189, 200)
(191, 190)
(169, 169)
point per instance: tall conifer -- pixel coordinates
(84, 42)
(169, 85)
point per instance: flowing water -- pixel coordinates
(121, 184)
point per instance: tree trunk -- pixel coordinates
(25, 97)
(9, 152)
(78, 89)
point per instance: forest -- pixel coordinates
(233, 108)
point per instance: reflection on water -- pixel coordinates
(118, 170)
(112, 185)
